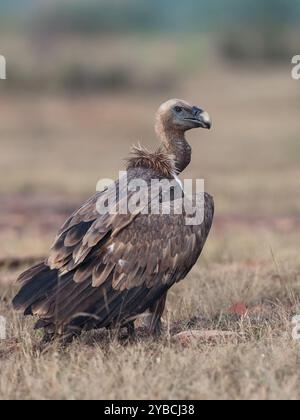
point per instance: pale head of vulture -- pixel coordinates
(179, 116)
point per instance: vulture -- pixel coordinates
(105, 270)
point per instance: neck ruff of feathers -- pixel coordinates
(159, 161)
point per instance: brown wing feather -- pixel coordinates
(85, 230)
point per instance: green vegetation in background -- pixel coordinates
(164, 15)
(115, 16)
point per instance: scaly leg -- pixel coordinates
(131, 330)
(156, 312)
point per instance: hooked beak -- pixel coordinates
(201, 118)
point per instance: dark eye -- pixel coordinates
(178, 109)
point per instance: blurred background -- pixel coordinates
(84, 80)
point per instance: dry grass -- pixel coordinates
(263, 364)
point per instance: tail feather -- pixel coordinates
(30, 273)
(37, 282)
